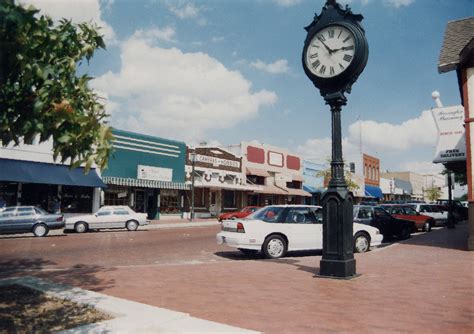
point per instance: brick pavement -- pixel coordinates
(422, 285)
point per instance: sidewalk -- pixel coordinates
(177, 223)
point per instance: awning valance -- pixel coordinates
(271, 189)
(373, 191)
(129, 182)
(257, 172)
(45, 173)
(298, 192)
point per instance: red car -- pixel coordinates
(406, 212)
(242, 213)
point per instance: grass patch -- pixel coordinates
(25, 310)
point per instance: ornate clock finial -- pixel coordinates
(331, 2)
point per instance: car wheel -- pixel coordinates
(248, 251)
(40, 230)
(361, 243)
(132, 225)
(427, 226)
(274, 247)
(81, 227)
(405, 233)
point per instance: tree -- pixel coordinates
(40, 91)
(326, 174)
(433, 193)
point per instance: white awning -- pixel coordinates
(257, 172)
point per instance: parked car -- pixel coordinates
(29, 219)
(242, 213)
(460, 211)
(438, 212)
(422, 222)
(276, 229)
(387, 224)
(106, 218)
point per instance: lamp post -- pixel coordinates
(192, 157)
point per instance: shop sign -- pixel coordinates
(451, 144)
(217, 161)
(154, 173)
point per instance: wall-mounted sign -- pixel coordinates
(451, 144)
(275, 159)
(154, 173)
(216, 162)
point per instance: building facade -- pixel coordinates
(147, 174)
(416, 183)
(219, 183)
(30, 176)
(274, 173)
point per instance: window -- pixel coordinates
(229, 199)
(425, 208)
(25, 212)
(169, 201)
(104, 213)
(381, 213)
(364, 213)
(410, 211)
(269, 214)
(120, 212)
(300, 216)
(40, 211)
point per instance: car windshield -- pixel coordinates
(268, 214)
(40, 211)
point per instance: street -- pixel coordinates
(420, 284)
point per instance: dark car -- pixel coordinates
(24, 219)
(460, 212)
(422, 222)
(387, 224)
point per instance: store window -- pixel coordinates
(169, 203)
(76, 199)
(116, 196)
(8, 193)
(230, 199)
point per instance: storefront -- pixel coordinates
(147, 174)
(218, 181)
(54, 187)
(274, 173)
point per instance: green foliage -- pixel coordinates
(40, 92)
(459, 177)
(433, 193)
(326, 174)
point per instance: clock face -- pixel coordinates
(330, 51)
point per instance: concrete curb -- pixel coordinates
(130, 317)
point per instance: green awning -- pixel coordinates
(129, 182)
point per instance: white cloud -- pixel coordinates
(287, 3)
(217, 39)
(277, 67)
(399, 3)
(382, 140)
(421, 167)
(165, 34)
(395, 137)
(186, 10)
(77, 12)
(167, 92)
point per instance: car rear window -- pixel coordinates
(120, 212)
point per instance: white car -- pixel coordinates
(107, 217)
(438, 212)
(276, 229)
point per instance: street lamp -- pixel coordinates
(192, 157)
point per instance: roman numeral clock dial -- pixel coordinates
(330, 51)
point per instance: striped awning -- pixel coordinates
(128, 182)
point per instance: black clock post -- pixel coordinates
(336, 40)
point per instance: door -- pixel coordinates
(303, 230)
(23, 220)
(103, 219)
(215, 202)
(139, 201)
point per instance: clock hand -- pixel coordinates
(327, 48)
(343, 48)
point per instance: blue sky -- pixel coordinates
(226, 71)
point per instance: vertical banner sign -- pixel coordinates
(451, 145)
